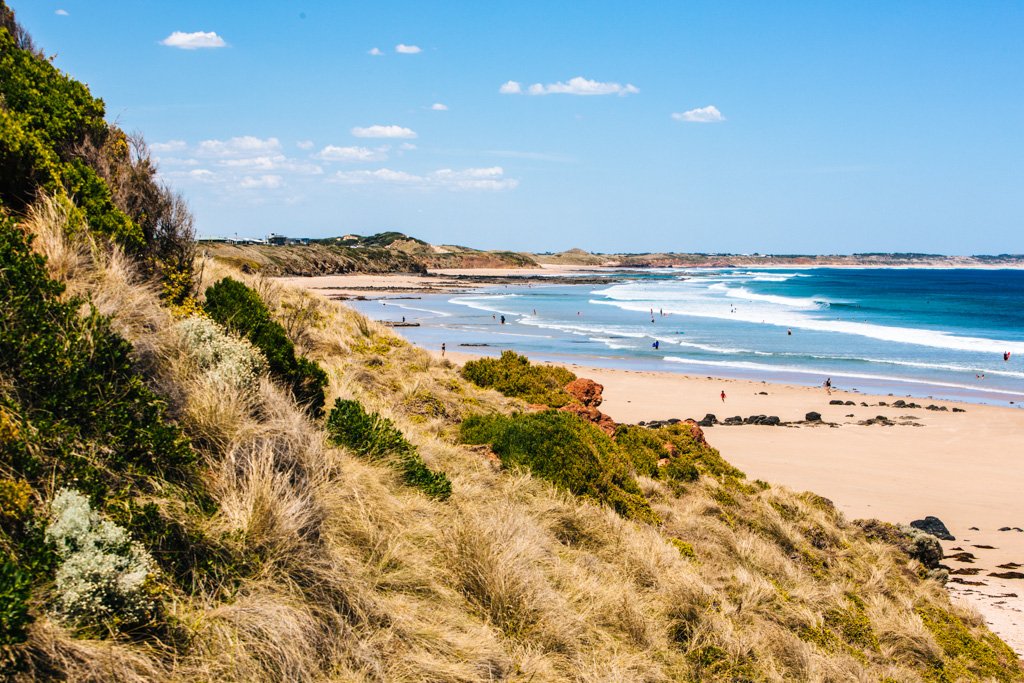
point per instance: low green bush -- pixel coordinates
(513, 375)
(240, 309)
(569, 452)
(643, 446)
(377, 438)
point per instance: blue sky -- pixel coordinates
(688, 126)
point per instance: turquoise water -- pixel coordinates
(920, 332)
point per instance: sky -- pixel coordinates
(797, 127)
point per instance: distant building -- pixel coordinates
(277, 240)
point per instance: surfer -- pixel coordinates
(1006, 356)
(655, 345)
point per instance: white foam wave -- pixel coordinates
(764, 367)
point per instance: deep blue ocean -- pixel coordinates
(919, 332)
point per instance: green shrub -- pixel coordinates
(643, 446)
(376, 437)
(513, 376)
(73, 382)
(567, 451)
(15, 587)
(241, 310)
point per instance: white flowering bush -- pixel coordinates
(222, 356)
(103, 573)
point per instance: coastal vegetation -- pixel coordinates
(173, 507)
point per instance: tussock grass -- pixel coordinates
(326, 566)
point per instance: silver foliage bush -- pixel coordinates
(103, 573)
(222, 356)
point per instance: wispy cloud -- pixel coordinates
(169, 146)
(574, 86)
(404, 49)
(243, 145)
(262, 182)
(383, 132)
(375, 51)
(708, 114)
(193, 41)
(487, 179)
(62, 13)
(304, 144)
(437, 106)
(533, 156)
(335, 153)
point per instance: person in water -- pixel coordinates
(1006, 356)
(502, 320)
(655, 345)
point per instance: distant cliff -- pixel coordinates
(389, 252)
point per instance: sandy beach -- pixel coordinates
(958, 466)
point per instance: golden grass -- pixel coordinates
(351, 576)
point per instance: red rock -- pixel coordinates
(696, 433)
(586, 391)
(603, 422)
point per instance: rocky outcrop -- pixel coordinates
(591, 414)
(934, 526)
(586, 391)
(812, 417)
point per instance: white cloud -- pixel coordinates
(383, 132)
(335, 153)
(437, 106)
(169, 146)
(574, 86)
(304, 144)
(201, 174)
(492, 178)
(193, 41)
(404, 49)
(708, 114)
(62, 13)
(267, 182)
(245, 145)
(375, 51)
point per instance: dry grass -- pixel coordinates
(348, 575)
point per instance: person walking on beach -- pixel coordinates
(828, 386)
(723, 395)
(442, 349)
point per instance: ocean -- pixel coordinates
(910, 332)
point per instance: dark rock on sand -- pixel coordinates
(1009, 565)
(967, 571)
(962, 557)
(835, 402)
(708, 420)
(812, 417)
(849, 403)
(734, 420)
(985, 547)
(1007, 575)
(959, 410)
(934, 526)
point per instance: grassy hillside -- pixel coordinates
(174, 507)
(390, 252)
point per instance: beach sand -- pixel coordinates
(960, 467)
